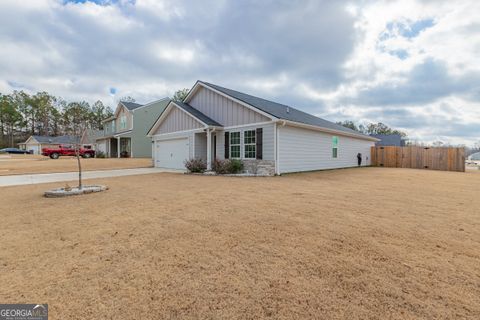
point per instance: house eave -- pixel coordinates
(327, 130)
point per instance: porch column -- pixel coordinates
(118, 147)
(209, 150)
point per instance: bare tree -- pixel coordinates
(75, 112)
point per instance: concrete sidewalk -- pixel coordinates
(16, 180)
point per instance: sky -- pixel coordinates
(413, 65)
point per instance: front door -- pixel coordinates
(125, 147)
(214, 146)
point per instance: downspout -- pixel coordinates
(277, 151)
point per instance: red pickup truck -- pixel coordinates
(67, 151)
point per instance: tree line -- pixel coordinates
(371, 128)
(381, 128)
(23, 115)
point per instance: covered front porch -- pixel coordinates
(205, 145)
(116, 147)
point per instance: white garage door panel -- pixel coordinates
(171, 154)
(35, 148)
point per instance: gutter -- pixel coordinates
(327, 130)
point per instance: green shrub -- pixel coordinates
(195, 165)
(235, 166)
(228, 166)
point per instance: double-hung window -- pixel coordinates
(123, 122)
(334, 147)
(249, 143)
(235, 145)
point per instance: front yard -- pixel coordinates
(369, 243)
(26, 164)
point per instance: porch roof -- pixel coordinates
(126, 134)
(197, 114)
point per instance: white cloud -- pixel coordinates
(411, 64)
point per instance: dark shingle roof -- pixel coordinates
(475, 156)
(197, 114)
(388, 140)
(282, 111)
(56, 140)
(131, 105)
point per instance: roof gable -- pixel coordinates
(277, 110)
(127, 106)
(197, 114)
(193, 113)
(282, 111)
(130, 105)
(55, 140)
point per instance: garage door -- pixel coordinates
(171, 154)
(35, 148)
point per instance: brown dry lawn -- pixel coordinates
(370, 243)
(25, 164)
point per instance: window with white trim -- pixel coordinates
(235, 145)
(334, 147)
(123, 122)
(249, 143)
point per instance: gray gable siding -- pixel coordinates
(177, 120)
(223, 110)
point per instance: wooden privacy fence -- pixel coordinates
(446, 159)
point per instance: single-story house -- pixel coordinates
(474, 156)
(219, 123)
(125, 133)
(389, 140)
(88, 139)
(37, 143)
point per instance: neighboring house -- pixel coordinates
(474, 157)
(215, 122)
(37, 143)
(389, 140)
(88, 139)
(125, 133)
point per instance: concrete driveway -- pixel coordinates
(16, 180)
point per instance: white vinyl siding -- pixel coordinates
(224, 110)
(306, 150)
(201, 146)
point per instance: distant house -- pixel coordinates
(474, 157)
(37, 143)
(125, 133)
(89, 138)
(389, 140)
(219, 123)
